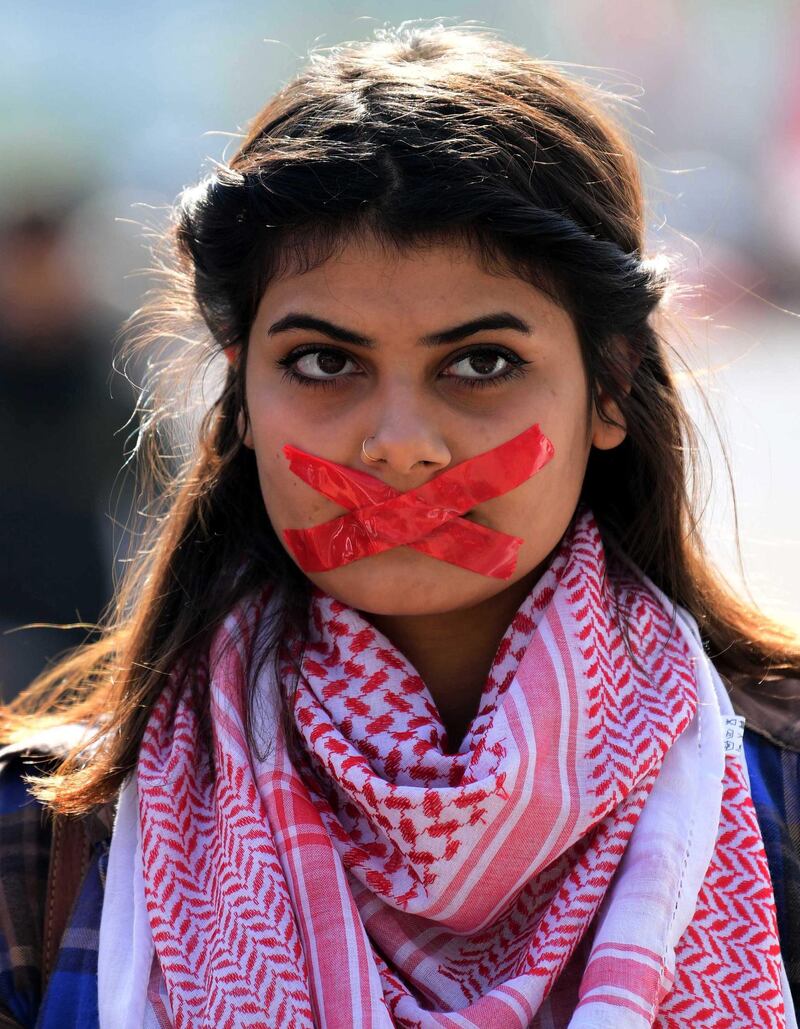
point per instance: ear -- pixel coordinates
(610, 430)
(244, 430)
(242, 424)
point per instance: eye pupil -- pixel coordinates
(330, 363)
(483, 364)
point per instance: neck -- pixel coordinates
(453, 651)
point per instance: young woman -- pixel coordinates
(414, 710)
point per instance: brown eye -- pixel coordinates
(322, 364)
(486, 364)
(480, 364)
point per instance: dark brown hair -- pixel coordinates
(420, 134)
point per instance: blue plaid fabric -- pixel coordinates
(25, 836)
(71, 995)
(775, 785)
(70, 1000)
(24, 858)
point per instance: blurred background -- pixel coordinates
(109, 110)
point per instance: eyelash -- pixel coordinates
(515, 370)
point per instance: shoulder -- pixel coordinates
(25, 837)
(771, 710)
(42, 863)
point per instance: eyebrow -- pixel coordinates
(499, 320)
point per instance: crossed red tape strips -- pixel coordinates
(427, 518)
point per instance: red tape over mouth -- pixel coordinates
(427, 518)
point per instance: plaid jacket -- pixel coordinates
(772, 750)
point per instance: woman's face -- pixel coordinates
(369, 368)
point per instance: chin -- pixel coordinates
(404, 582)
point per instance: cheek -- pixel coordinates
(289, 503)
(539, 511)
(281, 491)
(287, 500)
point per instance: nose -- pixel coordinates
(405, 439)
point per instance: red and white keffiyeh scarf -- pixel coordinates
(590, 857)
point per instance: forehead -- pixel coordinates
(364, 280)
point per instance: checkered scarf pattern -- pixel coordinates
(552, 872)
